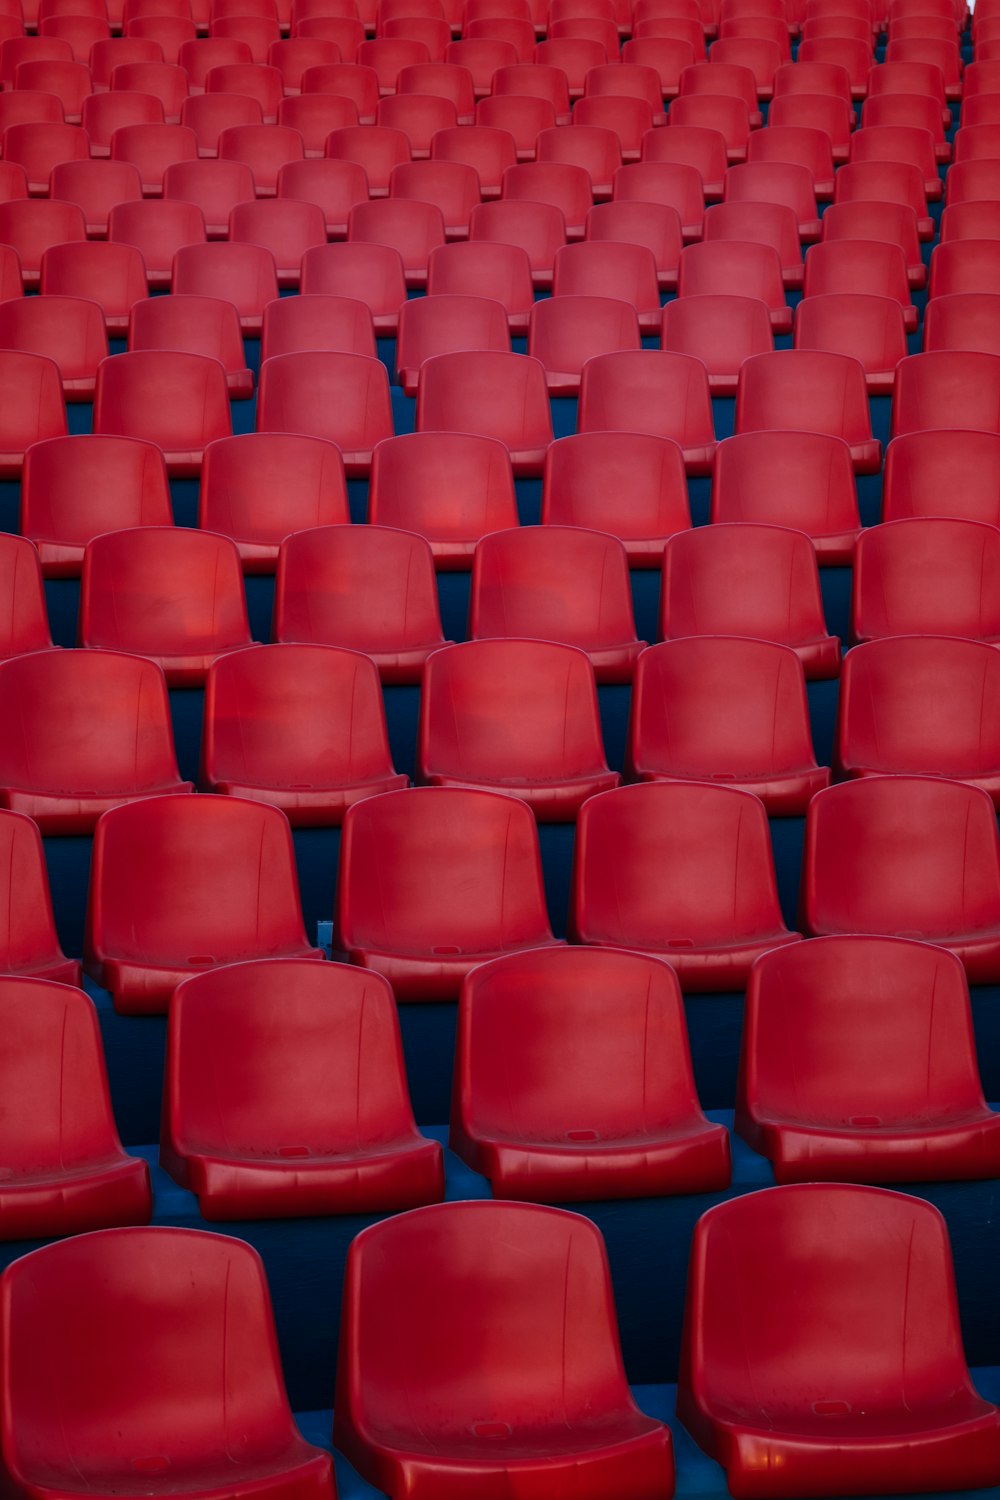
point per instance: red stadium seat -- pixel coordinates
(809, 391)
(566, 331)
(376, 148)
(299, 726)
(443, 80)
(292, 56)
(31, 406)
(886, 182)
(164, 81)
(198, 56)
(442, 324)
(514, 1132)
(339, 1040)
(790, 183)
(593, 148)
(816, 77)
(39, 147)
(264, 149)
(557, 583)
(731, 79)
(748, 579)
(112, 275)
(514, 716)
(97, 187)
(627, 117)
(451, 488)
(972, 181)
(667, 56)
(434, 880)
(867, 328)
(947, 388)
(847, 54)
(830, 113)
(418, 116)
(153, 149)
(388, 56)
(488, 150)
(255, 82)
(655, 227)
(680, 871)
(975, 219)
(568, 60)
(70, 83)
(872, 267)
(718, 112)
(29, 947)
(906, 856)
(653, 391)
(285, 227)
(943, 473)
(967, 265)
(74, 488)
(314, 116)
(25, 107)
(336, 186)
(344, 31)
(830, 1262)
(751, 222)
(177, 400)
(720, 330)
(180, 1321)
(11, 280)
(803, 480)
(871, 219)
(585, 474)
(158, 228)
(67, 330)
(68, 1172)
(194, 325)
(849, 1019)
(208, 115)
(259, 32)
(87, 730)
(452, 186)
(521, 116)
(491, 393)
(913, 78)
(943, 55)
(920, 111)
(367, 588)
(561, 184)
(351, 81)
(537, 228)
(242, 274)
(900, 143)
(17, 48)
(294, 324)
(341, 397)
(597, 266)
(257, 488)
(927, 575)
(716, 266)
(214, 187)
(370, 273)
(675, 185)
(106, 55)
(796, 145)
(725, 709)
(762, 55)
(171, 33)
(490, 1276)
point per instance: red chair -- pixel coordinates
(964, 266)
(972, 181)
(70, 83)
(722, 331)
(106, 55)
(676, 185)
(213, 187)
(914, 78)
(351, 81)
(814, 1258)
(584, 474)
(178, 400)
(164, 81)
(172, 874)
(520, 116)
(336, 186)
(292, 56)
(194, 325)
(724, 78)
(31, 406)
(514, 1009)
(29, 948)
(803, 480)
(197, 56)
(900, 143)
(340, 1033)
(418, 116)
(376, 148)
(884, 728)
(568, 60)
(912, 856)
(181, 1321)
(16, 48)
(816, 77)
(748, 579)
(67, 330)
(261, 84)
(682, 872)
(75, 488)
(655, 227)
(451, 186)
(259, 32)
(714, 267)
(257, 488)
(762, 55)
(564, 185)
(388, 56)
(940, 54)
(153, 149)
(653, 391)
(157, 228)
(666, 56)
(593, 148)
(771, 224)
(868, 328)
(96, 186)
(926, 575)
(314, 116)
(39, 147)
(796, 145)
(242, 274)
(566, 331)
(592, 268)
(919, 111)
(286, 228)
(112, 275)
(943, 473)
(11, 280)
(487, 150)
(963, 320)
(976, 219)
(717, 112)
(886, 182)
(26, 107)
(431, 32)
(367, 588)
(946, 388)
(87, 730)
(871, 1098)
(725, 709)
(789, 183)
(873, 268)
(809, 391)
(451, 488)
(847, 54)
(294, 324)
(69, 1173)
(830, 113)
(443, 80)
(171, 33)
(462, 885)
(521, 1256)
(514, 716)
(264, 149)
(208, 115)
(443, 324)
(299, 726)
(539, 229)
(557, 583)
(891, 223)
(341, 397)
(370, 273)
(483, 57)
(491, 393)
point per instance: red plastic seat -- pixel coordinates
(418, 116)
(29, 947)
(512, 1018)
(194, 325)
(165, 81)
(943, 473)
(941, 54)
(360, 1151)
(442, 80)
(178, 400)
(789, 183)
(157, 228)
(431, 32)
(913, 78)
(566, 331)
(521, 116)
(285, 227)
(490, 393)
(667, 56)
(367, 588)
(376, 148)
(809, 391)
(73, 488)
(351, 81)
(908, 856)
(891, 223)
(87, 730)
(70, 82)
(442, 324)
(849, 54)
(451, 488)
(680, 871)
(851, 1020)
(172, 874)
(264, 149)
(487, 150)
(208, 115)
(963, 320)
(292, 56)
(593, 148)
(103, 114)
(725, 709)
(929, 575)
(294, 324)
(17, 48)
(720, 330)
(947, 388)
(67, 1170)
(975, 219)
(968, 265)
(868, 328)
(67, 330)
(752, 222)
(886, 182)
(96, 186)
(415, 224)
(242, 274)
(675, 185)
(26, 106)
(803, 480)
(922, 706)
(653, 391)
(627, 116)
(25, 622)
(748, 579)
(684, 28)
(655, 227)
(514, 716)
(345, 31)
(919, 111)
(903, 144)
(567, 60)
(314, 116)
(598, 266)
(972, 181)
(494, 1276)
(830, 1262)
(557, 583)
(198, 55)
(585, 474)
(106, 55)
(31, 406)
(170, 32)
(716, 266)
(720, 113)
(762, 55)
(435, 880)
(153, 149)
(816, 77)
(796, 145)
(336, 186)
(830, 113)
(39, 147)
(182, 1322)
(259, 32)
(214, 187)
(872, 267)
(341, 397)
(257, 82)
(483, 57)
(720, 78)
(539, 229)
(563, 185)
(370, 273)
(112, 275)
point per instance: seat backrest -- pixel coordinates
(804, 480)
(553, 583)
(805, 390)
(950, 472)
(75, 487)
(261, 486)
(947, 388)
(27, 929)
(927, 574)
(445, 485)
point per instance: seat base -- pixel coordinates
(96, 1195)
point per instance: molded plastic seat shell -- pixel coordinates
(452, 488)
(943, 473)
(341, 397)
(490, 393)
(586, 473)
(683, 872)
(443, 324)
(434, 881)
(808, 390)
(178, 401)
(927, 575)
(653, 391)
(286, 1095)
(68, 330)
(257, 488)
(29, 947)
(720, 330)
(803, 480)
(31, 406)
